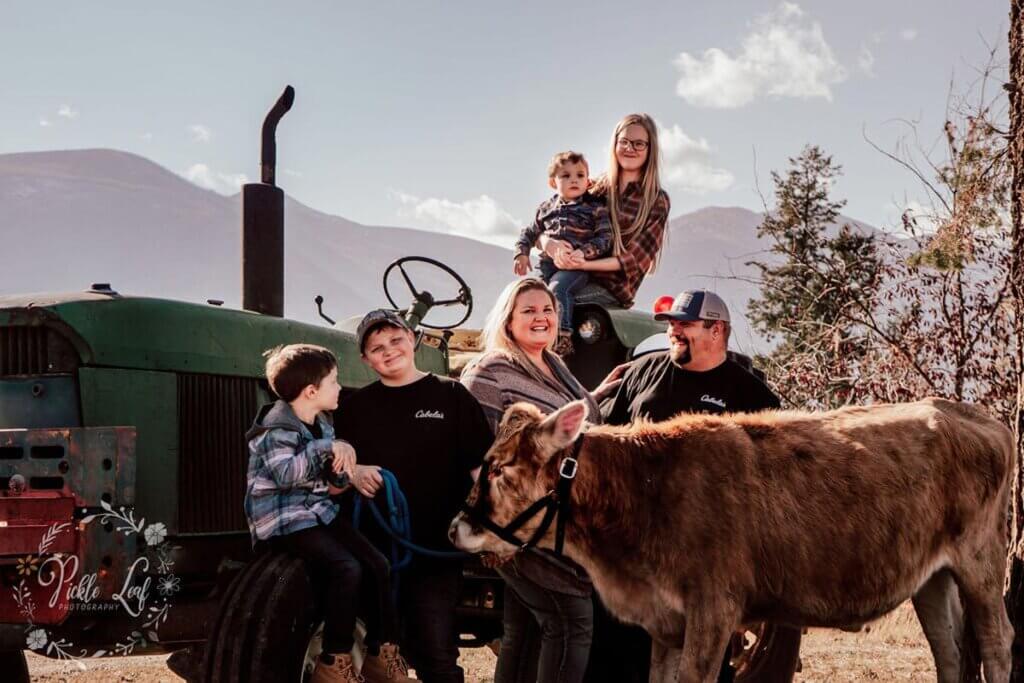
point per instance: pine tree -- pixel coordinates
(815, 280)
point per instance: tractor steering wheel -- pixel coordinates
(423, 300)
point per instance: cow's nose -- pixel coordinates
(452, 528)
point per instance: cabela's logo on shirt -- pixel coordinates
(706, 398)
(434, 414)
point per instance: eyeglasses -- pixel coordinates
(638, 145)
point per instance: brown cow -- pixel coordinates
(826, 519)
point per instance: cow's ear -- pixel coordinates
(561, 428)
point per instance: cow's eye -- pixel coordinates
(495, 471)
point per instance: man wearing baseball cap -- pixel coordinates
(695, 375)
(432, 434)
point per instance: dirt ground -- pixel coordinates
(891, 649)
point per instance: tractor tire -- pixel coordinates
(14, 666)
(264, 627)
(773, 657)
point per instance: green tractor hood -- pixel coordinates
(163, 335)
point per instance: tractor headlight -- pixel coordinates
(590, 330)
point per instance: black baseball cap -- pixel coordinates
(696, 304)
(377, 318)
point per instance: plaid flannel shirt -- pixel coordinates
(583, 223)
(285, 490)
(640, 252)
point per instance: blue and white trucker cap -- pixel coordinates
(696, 304)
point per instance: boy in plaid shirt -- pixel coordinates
(574, 216)
(292, 452)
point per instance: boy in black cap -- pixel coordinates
(432, 434)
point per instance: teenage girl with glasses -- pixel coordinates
(639, 213)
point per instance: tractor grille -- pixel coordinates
(214, 413)
(23, 350)
(33, 350)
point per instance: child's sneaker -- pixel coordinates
(387, 667)
(563, 347)
(342, 671)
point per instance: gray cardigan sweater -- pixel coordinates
(497, 379)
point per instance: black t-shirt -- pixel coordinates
(656, 389)
(430, 434)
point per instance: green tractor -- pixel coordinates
(123, 463)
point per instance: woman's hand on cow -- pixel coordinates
(610, 383)
(344, 457)
(367, 480)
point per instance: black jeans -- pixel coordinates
(358, 581)
(564, 623)
(428, 594)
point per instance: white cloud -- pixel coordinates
(866, 60)
(67, 112)
(146, 136)
(200, 133)
(480, 218)
(44, 123)
(686, 163)
(224, 183)
(290, 172)
(784, 55)
(908, 33)
(866, 57)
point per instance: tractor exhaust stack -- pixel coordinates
(263, 224)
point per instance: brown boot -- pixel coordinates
(342, 671)
(387, 667)
(563, 347)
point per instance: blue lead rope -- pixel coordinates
(398, 525)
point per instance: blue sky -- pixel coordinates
(444, 115)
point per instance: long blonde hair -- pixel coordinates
(495, 335)
(650, 182)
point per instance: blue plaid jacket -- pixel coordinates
(584, 223)
(285, 489)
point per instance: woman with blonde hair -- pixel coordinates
(547, 598)
(639, 212)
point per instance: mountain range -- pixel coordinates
(71, 218)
